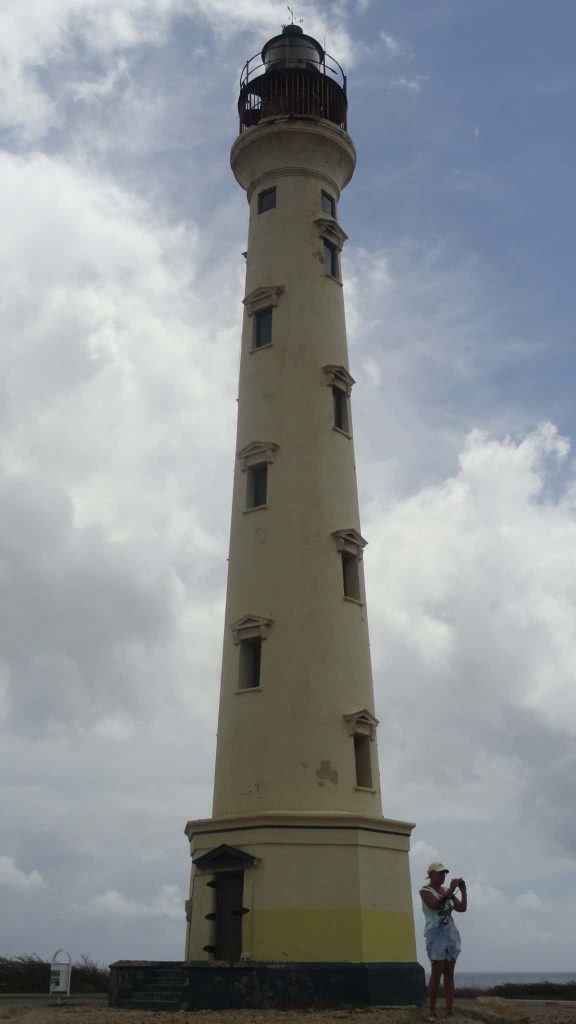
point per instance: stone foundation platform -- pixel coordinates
(199, 985)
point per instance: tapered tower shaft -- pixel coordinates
(286, 743)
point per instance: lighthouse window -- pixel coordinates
(328, 204)
(250, 661)
(263, 327)
(330, 259)
(266, 200)
(257, 485)
(340, 403)
(351, 576)
(362, 756)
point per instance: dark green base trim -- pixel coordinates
(225, 986)
(282, 986)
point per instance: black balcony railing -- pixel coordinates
(278, 90)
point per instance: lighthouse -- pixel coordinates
(298, 874)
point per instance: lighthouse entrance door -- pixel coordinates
(229, 886)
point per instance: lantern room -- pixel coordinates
(292, 77)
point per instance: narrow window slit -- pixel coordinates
(263, 327)
(257, 485)
(340, 403)
(250, 663)
(363, 759)
(351, 575)
(328, 204)
(330, 259)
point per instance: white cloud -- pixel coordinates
(4, 681)
(107, 327)
(472, 595)
(412, 84)
(421, 855)
(107, 320)
(487, 552)
(33, 35)
(393, 47)
(530, 901)
(151, 856)
(426, 340)
(484, 896)
(418, 302)
(114, 728)
(166, 903)
(103, 86)
(11, 877)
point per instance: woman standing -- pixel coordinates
(442, 936)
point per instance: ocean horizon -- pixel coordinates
(488, 979)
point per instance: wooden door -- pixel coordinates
(229, 887)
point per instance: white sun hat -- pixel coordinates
(437, 866)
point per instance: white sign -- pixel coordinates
(60, 974)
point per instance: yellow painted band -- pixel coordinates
(337, 936)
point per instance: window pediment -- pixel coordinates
(262, 297)
(255, 452)
(224, 857)
(331, 230)
(361, 723)
(338, 377)
(250, 626)
(350, 541)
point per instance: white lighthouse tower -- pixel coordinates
(298, 866)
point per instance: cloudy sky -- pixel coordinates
(121, 284)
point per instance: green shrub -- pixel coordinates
(522, 990)
(536, 990)
(29, 973)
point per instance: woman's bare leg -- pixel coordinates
(436, 971)
(449, 966)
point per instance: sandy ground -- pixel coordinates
(483, 1011)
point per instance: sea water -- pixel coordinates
(481, 979)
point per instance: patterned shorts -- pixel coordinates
(443, 942)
